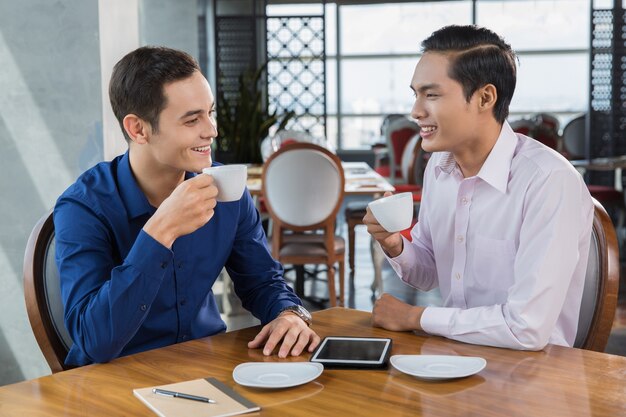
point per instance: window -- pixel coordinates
(372, 50)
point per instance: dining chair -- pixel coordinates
(398, 132)
(599, 298)
(42, 293)
(303, 188)
(542, 127)
(574, 138)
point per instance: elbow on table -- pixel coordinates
(531, 339)
(101, 352)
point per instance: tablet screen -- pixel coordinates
(352, 351)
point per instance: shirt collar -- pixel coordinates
(134, 199)
(496, 168)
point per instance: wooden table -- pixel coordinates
(555, 382)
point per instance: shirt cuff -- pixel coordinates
(436, 320)
(404, 261)
(149, 256)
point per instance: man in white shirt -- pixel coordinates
(505, 222)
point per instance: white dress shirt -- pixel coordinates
(508, 248)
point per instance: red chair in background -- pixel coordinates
(542, 127)
(398, 131)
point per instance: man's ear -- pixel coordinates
(487, 97)
(137, 128)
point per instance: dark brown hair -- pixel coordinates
(138, 80)
(478, 57)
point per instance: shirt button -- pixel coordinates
(464, 201)
(163, 265)
(460, 238)
(183, 302)
(143, 307)
(457, 275)
(180, 265)
(184, 337)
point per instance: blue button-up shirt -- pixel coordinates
(124, 292)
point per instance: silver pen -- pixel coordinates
(182, 395)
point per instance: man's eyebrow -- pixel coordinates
(191, 113)
(425, 87)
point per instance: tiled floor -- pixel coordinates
(359, 294)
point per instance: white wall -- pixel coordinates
(50, 131)
(53, 100)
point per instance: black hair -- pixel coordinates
(139, 78)
(478, 57)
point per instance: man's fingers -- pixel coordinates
(202, 180)
(315, 341)
(259, 339)
(275, 336)
(289, 340)
(304, 338)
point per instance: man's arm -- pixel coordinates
(259, 283)
(413, 261)
(106, 299)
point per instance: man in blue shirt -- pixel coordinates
(141, 240)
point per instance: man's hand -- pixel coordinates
(289, 328)
(190, 206)
(392, 314)
(390, 242)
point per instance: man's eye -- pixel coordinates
(431, 95)
(192, 121)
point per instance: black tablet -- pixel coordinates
(353, 352)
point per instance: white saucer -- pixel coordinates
(436, 367)
(276, 375)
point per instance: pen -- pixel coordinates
(182, 395)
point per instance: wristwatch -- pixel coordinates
(299, 311)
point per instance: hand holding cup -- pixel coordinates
(386, 217)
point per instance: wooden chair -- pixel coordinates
(601, 284)
(42, 292)
(303, 188)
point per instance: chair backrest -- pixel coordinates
(271, 144)
(388, 119)
(522, 126)
(574, 137)
(398, 133)
(414, 161)
(599, 299)
(42, 292)
(542, 127)
(303, 186)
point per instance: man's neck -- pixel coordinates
(156, 183)
(472, 157)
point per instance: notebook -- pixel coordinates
(228, 402)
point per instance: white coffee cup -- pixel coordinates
(395, 212)
(230, 181)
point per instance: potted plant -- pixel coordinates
(243, 123)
